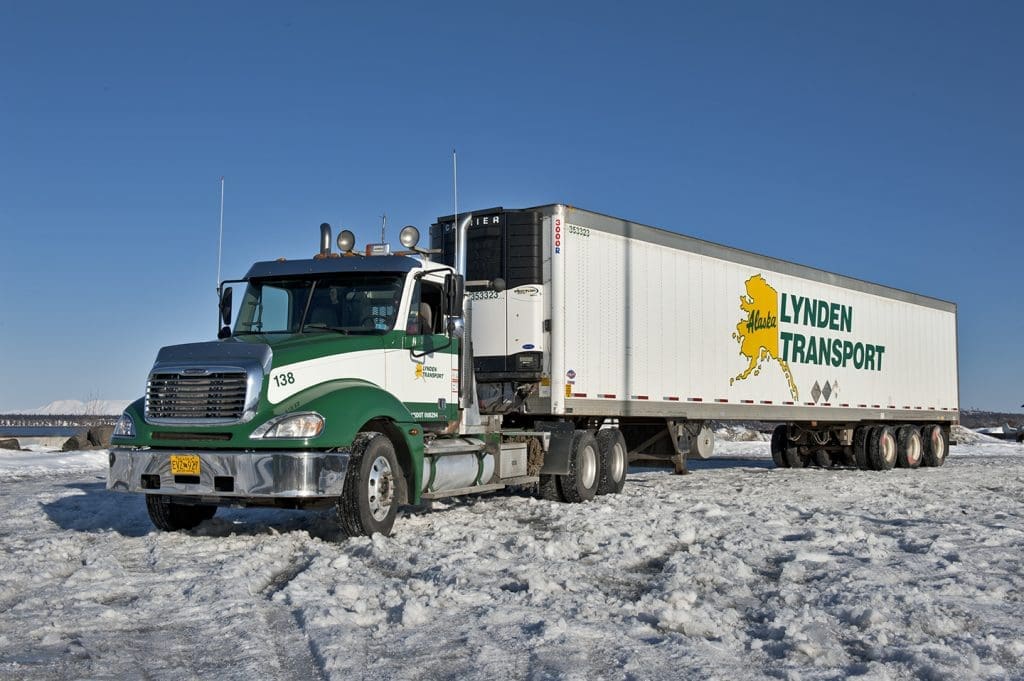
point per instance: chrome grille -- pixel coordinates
(214, 395)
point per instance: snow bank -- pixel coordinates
(40, 461)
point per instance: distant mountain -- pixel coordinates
(80, 408)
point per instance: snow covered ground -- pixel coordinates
(739, 571)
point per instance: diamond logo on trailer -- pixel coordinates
(758, 333)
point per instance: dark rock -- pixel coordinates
(79, 440)
(9, 443)
(99, 436)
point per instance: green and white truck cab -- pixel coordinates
(346, 382)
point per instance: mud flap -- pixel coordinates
(556, 459)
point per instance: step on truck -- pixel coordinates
(544, 348)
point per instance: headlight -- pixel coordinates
(125, 426)
(291, 426)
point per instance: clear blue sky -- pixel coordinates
(883, 140)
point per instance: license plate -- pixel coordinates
(184, 464)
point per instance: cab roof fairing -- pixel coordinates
(294, 268)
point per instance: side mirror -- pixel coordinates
(225, 311)
(455, 292)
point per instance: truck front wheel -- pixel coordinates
(171, 517)
(369, 502)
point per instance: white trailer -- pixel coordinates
(606, 320)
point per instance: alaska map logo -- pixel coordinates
(761, 339)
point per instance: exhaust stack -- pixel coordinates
(325, 240)
(460, 245)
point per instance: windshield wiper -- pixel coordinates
(323, 327)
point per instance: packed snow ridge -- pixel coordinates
(738, 571)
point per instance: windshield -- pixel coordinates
(356, 303)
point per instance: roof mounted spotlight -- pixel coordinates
(409, 236)
(346, 241)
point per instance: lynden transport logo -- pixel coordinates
(762, 339)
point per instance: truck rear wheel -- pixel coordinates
(369, 502)
(612, 446)
(908, 447)
(780, 438)
(581, 482)
(935, 446)
(170, 516)
(881, 449)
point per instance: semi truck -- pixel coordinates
(545, 348)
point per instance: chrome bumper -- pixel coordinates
(231, 474)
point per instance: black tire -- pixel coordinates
(822, 459)
(793, 457)
(614, 462)
(170, 516)
(584, 463)
(934, 446)
(909, 448)
(369, 501)
(548, 488)
(860, 447)
(881, 448)
(780, 437)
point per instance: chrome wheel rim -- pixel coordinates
(938, 444)
(380, 488)
(618, 463)
(914, 451)
(588, 466)
(888, 448)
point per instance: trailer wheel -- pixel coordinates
(580, 484)
(793, 457)
(822, 459)
(881, 449)
(780, 437)
(908, 447)
(860, 446)
(169, 516)
(612, 446)
(935, 446)
(369, 501)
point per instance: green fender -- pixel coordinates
(347, 405)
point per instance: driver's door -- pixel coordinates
(425, 372)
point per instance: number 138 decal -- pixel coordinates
(283, 379)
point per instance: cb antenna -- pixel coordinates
(220, 238)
